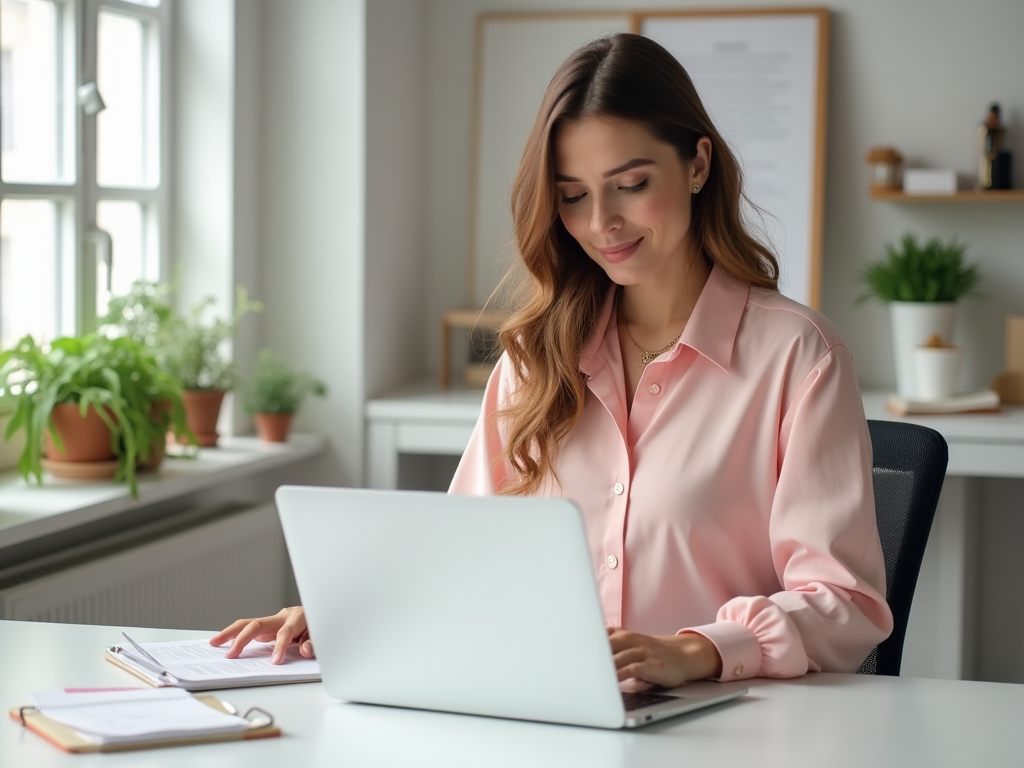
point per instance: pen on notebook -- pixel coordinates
(161, 673)
(152, 664)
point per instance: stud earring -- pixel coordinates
(696, 188)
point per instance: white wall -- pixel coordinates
(918, 74)
(312, 216)
(217, 138)
(204, 143)
(247, 178)
(283, 106)
(395, 150)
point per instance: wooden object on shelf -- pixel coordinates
(1015, 343)
(885, 165)
(468, 319)
(1010, 383)
(962, 196)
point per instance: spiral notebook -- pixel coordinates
(195, 665)
(124, 719)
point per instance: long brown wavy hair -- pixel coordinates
(633, 78)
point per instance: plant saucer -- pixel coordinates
(80, 470)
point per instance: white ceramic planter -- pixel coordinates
(913, 322)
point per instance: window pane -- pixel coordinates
(30, 91)
(147, 3)
(131, 229)
(126, 75)
(28, 270)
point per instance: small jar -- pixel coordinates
(886, 164)
(937, 369)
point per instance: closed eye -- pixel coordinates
(636, 187)
(572, 200)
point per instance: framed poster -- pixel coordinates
(762, 75)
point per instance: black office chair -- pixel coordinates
(909, 467)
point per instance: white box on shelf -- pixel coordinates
(929, 181)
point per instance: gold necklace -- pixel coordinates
(645, 355)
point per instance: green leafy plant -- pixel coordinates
(143, 313)
(276, 388)
(191, 346)
(909, 271)
(118, 377)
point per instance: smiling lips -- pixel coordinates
(617, 254)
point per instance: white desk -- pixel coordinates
(980, 444)
(419, 419)
(834, 720)
(423, 419)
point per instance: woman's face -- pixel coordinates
(625, 196)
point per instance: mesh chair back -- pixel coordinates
(909, 467)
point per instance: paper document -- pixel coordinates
(982, 401)
(114, 717)
(195, 665)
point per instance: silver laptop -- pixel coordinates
(477, 605)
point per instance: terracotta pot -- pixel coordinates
(157, 409)
(84, 439)
(202, 409)
(273, 427)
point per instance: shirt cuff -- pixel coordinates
(736, 644)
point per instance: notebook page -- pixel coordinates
(122, 716)
(198, 660)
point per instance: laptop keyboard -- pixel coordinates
(632, 701)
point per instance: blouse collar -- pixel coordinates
(711, 330)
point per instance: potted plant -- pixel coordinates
(276, 393)
(89, 406)
(922, 285)
(188, 348)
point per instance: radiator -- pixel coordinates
(202, 577)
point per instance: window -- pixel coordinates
(83, 157)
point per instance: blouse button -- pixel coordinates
(738, 671)
(613, 561)
(618, 488)
(654, 389)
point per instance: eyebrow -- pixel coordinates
(628, 166)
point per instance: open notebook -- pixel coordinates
(195, 665)
(119, 719)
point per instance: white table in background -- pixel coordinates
(419, 419)
(819, 720)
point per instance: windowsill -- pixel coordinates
(28, 511)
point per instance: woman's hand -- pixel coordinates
(665, 660)
(284, 627)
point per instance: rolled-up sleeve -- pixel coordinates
(824, 543)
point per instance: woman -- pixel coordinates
(710, 429)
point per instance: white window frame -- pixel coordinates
(81, 242)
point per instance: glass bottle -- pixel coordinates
(990, 145)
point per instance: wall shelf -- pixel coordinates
(963, 196)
